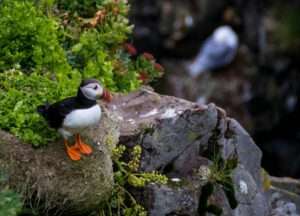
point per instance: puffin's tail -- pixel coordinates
(43, 109)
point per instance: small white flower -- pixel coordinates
(204, 172)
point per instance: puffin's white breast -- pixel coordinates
(83, 118)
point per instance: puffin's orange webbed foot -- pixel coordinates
(84, 148)
(72, 152)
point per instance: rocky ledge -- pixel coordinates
(213, 165)
(211, 161)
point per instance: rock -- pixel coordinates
(211, 161)
(50, 181)
(251, 200)
(245, 186)
(174, 136)
(167, 200)
(284, 196)
(248, 154)
(189, 143)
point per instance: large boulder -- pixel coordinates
(194, 146)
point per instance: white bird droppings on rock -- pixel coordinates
(243, 187)
(169, 113)
(131, 121)
(120, 117)
(175, 179)
(151, 113)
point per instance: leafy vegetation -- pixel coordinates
(48, 46)
(29, 39)
(19, 95)
(218, 174)
(126, 174)
(221, 173)
(10, 202)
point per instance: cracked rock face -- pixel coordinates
(182, 140)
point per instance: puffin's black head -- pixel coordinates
(92, 90)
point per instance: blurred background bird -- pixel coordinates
(217, 51)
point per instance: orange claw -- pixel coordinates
(72, 152)
(84, 148)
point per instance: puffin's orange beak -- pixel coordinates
(107, 96)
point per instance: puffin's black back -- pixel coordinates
(56, 113)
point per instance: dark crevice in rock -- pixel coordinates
(168, 168)
(213, 148)
(230, 194)
(228, 133)
(214, 210)
(206, 192)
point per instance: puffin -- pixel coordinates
(71, 116)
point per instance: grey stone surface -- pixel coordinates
(284, 196)
(172, 137)
(171, 201)
(248, 154)
(183, 140)
(245, 186)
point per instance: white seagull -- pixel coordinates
(217, 51)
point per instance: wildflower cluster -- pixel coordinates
(145, 64)
(140, 180)
(126, 173)
(133, 165)
(118, 152)
(153, 69)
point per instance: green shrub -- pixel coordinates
(84, 8)
(20, 94)
(48, 46)
(29, 39)
(10, 203)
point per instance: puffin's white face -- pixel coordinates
(92, 91)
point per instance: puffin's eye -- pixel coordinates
(96, 87)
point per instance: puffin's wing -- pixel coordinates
(58, 111)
